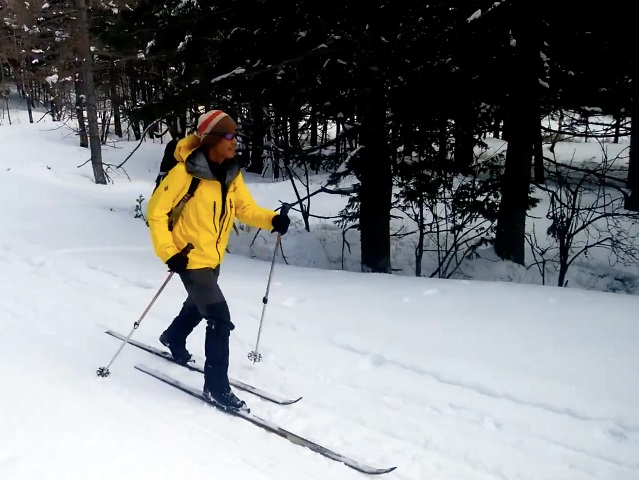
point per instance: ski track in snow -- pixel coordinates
(436, 425)
(504, 410)
(481, 408)
(397, 413)
(560, 419)
(481, 390)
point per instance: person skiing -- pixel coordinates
(203, 217)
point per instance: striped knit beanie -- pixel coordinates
(215, 121)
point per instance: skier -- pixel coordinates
(205, 221)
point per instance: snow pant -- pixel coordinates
(205, 300)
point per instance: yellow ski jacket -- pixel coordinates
(207, 218)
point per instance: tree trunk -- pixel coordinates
(84, 48)
(442, 141)
(144, 94)
(419, 249)
(4, 93)
(375, 171)
(316, 162)
(314, 126)
(338, 129)
(292, 113)
(511, 220)
(134, 121)
(257, 137)
(632, 203)
(538, 152)
(280, 136)
(618, 121)
(29, 104)
(283, 126)
(464, 141)
(115, 102)
(79, 109)
(496, 124)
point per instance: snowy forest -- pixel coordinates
(397, 104)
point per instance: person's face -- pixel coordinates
(221, 146)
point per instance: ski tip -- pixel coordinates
(368, 470)
(376, 471)
(385, 470)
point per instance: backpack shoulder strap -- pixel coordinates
(176, 211)
(195, 181)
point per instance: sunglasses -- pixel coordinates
(225, 136)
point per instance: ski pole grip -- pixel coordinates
(187, 249)
(285, 208)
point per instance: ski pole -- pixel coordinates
(254, 355)
(104, 371)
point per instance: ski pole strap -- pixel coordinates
(285, 208)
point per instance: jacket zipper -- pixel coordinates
(224, 213)
(219, 237)
(229, 212)
(215, 227)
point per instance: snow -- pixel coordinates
(445, 379)
(474, 16)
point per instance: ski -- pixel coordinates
(268, 426)
(197, 368)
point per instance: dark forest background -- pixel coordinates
(396, 95)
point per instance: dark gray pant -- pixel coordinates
(206, 300)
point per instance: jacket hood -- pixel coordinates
(185, 147)
(189, 152)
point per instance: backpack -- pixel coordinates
(168, 162)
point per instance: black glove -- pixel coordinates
(178, 262)
(280, 223)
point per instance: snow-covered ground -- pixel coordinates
(444, 379)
